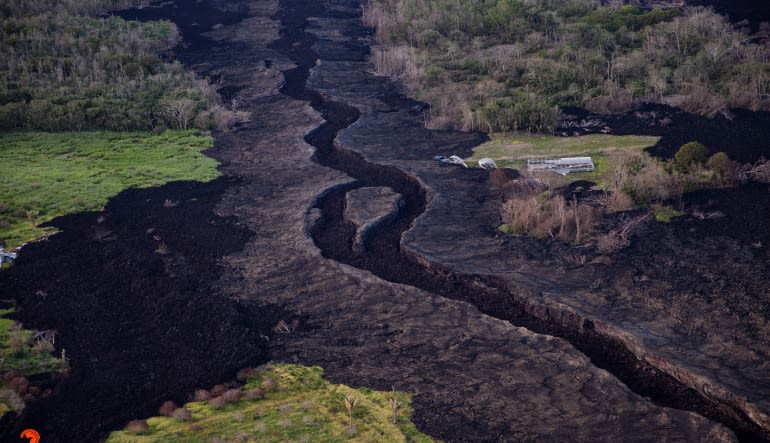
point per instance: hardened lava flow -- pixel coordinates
(384, 257)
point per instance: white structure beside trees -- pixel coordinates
(562, 166)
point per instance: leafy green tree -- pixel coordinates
(689, 153)
(724, 168)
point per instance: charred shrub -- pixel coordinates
(167, 408)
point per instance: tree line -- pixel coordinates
(509, 65)
(62, 70)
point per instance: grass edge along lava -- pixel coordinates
(44, 175)
(280, 402)
(24, 353)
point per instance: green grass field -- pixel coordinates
(45, 175)
(301, 407)
(514, 151)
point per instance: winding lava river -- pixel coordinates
(384, 257)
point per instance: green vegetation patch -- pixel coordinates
(506, 65)
(60, 70)
(296, 404)
(23, 352)
(45, 175)
(514, 151)
(664, 213)
(17, 350)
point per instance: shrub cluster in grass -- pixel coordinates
(63, 71)
(549, 216)
(637, 181)
(23, 353)
(45, 175)
(281, 403)
(509, 64)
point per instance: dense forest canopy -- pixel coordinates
(62, 70)
(510, 64)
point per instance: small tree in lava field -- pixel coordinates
(689, 153)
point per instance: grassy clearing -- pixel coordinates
(298, 405)
(45, 175)
(604, 149)
(20, 353)
(665, 213)
(17, 354)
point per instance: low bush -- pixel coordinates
(547, 216)
(19, 384)
(136, 426)
(181, 414)
(616, 201)
(218, 402)
(232, 395)
(18, 340)
(218, 390)
(665, 213)
(502, 176)
(255, 393)
(43, 342)
(270, 384)
(201, 395)
(167, 408)
(244, 374)
(653, 184)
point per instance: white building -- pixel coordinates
(562, 166)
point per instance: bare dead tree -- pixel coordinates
(180, 110)
(758, 172)
(284, 328)
(620, 237)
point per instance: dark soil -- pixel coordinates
(139, 326)
(746, 213)
(754, 11)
